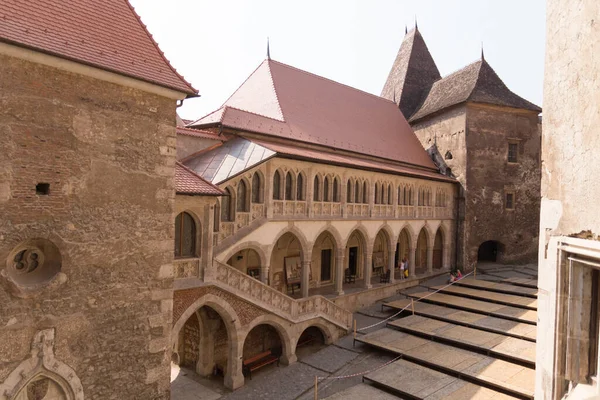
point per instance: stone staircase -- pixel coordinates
(295, 311)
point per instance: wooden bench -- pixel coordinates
(258, 361)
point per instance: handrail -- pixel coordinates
(291, 308)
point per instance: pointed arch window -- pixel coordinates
(216, 217)
(256, 188)
(376, 199)
(289, 187)
(365, 193)
(326, 189)
(336, 190)
(185, 236)
(389, 194)
(349, 191)
(300, 187)
(242, 201)
(277, 186)
(357, 192)
(316, 194)
(226, 206)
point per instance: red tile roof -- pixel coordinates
(190, 183)
(283, 101)
(106, 34)
(199, 133)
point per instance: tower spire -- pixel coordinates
(405, 29)
(416, 25)
(268, 50)
(482, 57)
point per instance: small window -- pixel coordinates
(349, 192)
(513, 150)
(185, 235)
(277, 186)
(216, 216)
(316, 195)
(510, 201)
(300, 187)
(256, 195)
(365, 194)
(289, 187)
(326, 190)
(242, 201)
(336, 190)
(356, 192)
(42, 189)
(226, 206)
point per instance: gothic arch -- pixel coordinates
(325, 329)
(256, 246)
(363, 233)
(304, 243)
(331, 230)
(271, 320)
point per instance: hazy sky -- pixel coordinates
(216, 44)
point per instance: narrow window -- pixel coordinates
(242, 203)
(216, 216)
(356, 192)
(289, 187)
(256, 195)
(300, 188)
(510, 201)
(316, 194)
(326, 190)
(365, 194)
(276, 186)
(513, 150)
(389, 201)
(185, 235)
(376, 199)
(336, 190)
(226, 214)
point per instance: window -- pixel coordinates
(216, 215)
(277, 186)
(256, 194)
(300, 187)
(226, 211)
(389, 201)
(356, 192)
(510, 201)
(242, 203)
(289, 187)
(316, 194)
(349, 192)
(365, 193)
(376, 199)
(336, 190)
(326, 190)
(513, 150)
(185, 236)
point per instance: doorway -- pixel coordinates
(488, 251)
(352, 260)
(325, 265)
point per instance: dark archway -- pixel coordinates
(262, 338)
(438, 250)
(490, 250)
(310, 341)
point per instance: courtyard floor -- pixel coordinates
(326, 362)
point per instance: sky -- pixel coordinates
(217, 44)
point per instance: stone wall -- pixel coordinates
(570, 145)
(103, 224)
(189, 145)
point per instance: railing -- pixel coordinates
(357, 210)
(424, 212)
(406, 212)
(383, 210)
(289, 207)
(258, 210)
(272, 299)
(443, 212)
(326, 209)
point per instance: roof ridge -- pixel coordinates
(239, 87)
(226, 107)
(275, 89)
(204, 116)
(456, 71)
(198, 176)
(330, 80)
(144, 27)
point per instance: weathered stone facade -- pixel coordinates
(107, 152)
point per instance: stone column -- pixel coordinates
(288, 357)
(368, 268)
(206, 258)
(411, 261)
(234, 378)
(264, 274)
(391, 262)
(430, 259)
(339, 272)
(268, 192)
(304, 281)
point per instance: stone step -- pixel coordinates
(499, 287)
(530, 283)
(509, 378)
(477, 306)
(494, 344)
(493, 297)
(470, 319)
(412, 381)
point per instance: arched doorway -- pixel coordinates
(247, 261)
(380, 253)
(323, 258)
(438, 250)
(421, 253)
(490, 251)
(311, 340)
(355, 255)
(261, 339)
(402, 247)
(202, 344)
(286, 264)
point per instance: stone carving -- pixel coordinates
(42, 376)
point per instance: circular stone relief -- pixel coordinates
(33, 262)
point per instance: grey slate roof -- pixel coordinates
(477, 82)
(229, 159)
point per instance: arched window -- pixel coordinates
(365, 193)
(336, 190)
(326, 190)
(256, 194)
(226, 206)
(357, 192)
(316, 194)
(376, 199)
(300, 187)
(277, 186)
(349, 191)
(242, 203)
(289, 187)
(216, 217)
(185, 236)
(411, 201)
(389, 201)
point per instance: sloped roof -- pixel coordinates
(188, 182)
(283, 101)
(477, 82)
(106, 34)
(229, 159)
(412, 72)
(199, 133)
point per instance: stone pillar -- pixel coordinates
(234, 378)
(264, 274)
(268, 192)
(339, 272)
(430, 259)
(304, 282)
(368, 268)
(288, 358)
(206, 258)
(391, 262)
(411, 261)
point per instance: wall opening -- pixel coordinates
(490, 251)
